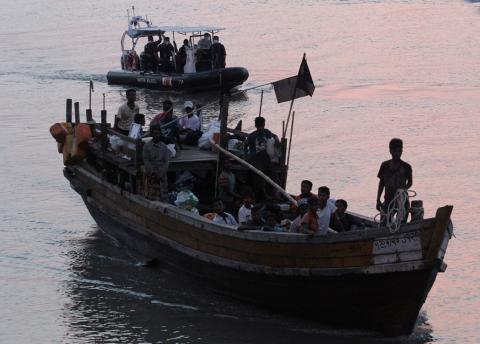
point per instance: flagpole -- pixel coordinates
(90, 94)
(261, 102)
(293, 98)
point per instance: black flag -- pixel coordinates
(295, 86)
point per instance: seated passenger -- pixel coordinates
(324, 211)
(227, 184)
(311, 221)
(330, 202)
(217, 53)
(136, 130)
(156, 160)
(168, 122)
(305, 193)
(221, 216)
(296, 225)
(190, 130)
(341, 221)
(245, 211)
(256, 217)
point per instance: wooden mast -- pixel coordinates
(223, 117)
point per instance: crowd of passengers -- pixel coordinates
(246, 205)
(163, 56)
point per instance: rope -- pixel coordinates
(396, 210)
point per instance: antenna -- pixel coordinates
(133, 10)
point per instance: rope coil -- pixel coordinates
(396, 210)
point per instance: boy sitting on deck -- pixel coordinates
(312, 221)
(245, 211)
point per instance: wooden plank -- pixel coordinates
(273, 256)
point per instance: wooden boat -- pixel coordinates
(134, 74)
(369, 278)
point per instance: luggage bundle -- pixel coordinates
(72, 140)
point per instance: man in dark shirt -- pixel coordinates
(155, 159)
(166, 55)
(256, 151)
(394, 174)
(217, 53)
(257, 140)
(168, 122)
(181, 57)
(256, 221)
(340, 220)
(150, 54)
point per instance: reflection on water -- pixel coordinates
(112, 297)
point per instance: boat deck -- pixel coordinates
(193, 154)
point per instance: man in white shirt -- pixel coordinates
(245, 211)
(221, 216)
(190, 130)
(126, 113)
(324, 211)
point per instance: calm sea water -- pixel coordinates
(382, 69)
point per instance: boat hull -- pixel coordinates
(231, 77)
(386, 298)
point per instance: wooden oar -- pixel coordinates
(257, 171)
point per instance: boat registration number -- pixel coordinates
(147, 80)
(404, 242)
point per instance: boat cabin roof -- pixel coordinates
(144, 31)
(191, 29)
(138, 32)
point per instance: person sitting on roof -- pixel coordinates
(203, 54)
(149, 57)
(167, 52)
(126, 113)
(181, 57)
(189, 125)
(168, 122)
(136, 130)
(217, 53)
(156, 160)
(219, 215)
